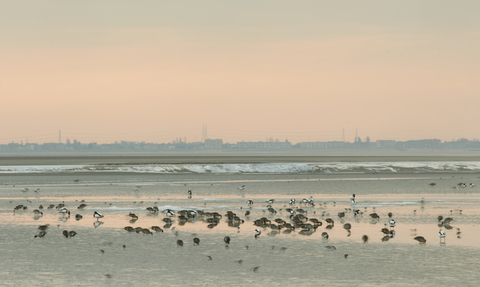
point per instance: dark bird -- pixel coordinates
(43, 227)
(374, 216)
(65, 233)
(41, 234)
(346, 255)
(196, 241)
(157, 229)
(365, 238)
(420, 239)
(256, 269)
(71, 234)
(78, 217)
(179, 243)
(226, 239)
(209, 257)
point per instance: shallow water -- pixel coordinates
(282, 259)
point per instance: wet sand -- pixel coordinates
(282, 259)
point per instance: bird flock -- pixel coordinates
(285, 217)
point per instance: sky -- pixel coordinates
(154, 71)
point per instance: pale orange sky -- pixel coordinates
(298, 70)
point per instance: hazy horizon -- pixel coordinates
(303, 71)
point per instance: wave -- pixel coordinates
(267, 168)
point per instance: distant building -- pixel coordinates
(265, 145)
(213, 144)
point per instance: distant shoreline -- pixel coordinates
(224, 158)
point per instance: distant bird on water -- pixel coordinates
(365, 238)
(180, 243)
(196, 241)
(241, 187)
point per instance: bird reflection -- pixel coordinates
(97, 224)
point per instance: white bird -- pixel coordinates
(442, 234)
(169, 212)
(242, 187)
(270, 201)
(422, 200)
(311, 200)
(64, 211)
(257, 233)
(25, 189)
(392, 223)
(352, 199)
(472, 185)
(292, 201)
(250, 201)
(37, 190)
(137, 188)
(97, 215)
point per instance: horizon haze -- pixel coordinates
(156, 71)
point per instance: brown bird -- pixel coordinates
(420, 239)
(196, 241)
(365, 238)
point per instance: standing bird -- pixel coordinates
(442, 234)
(392, 223)
(97, 215)
(365, 238)
(257, 233)
(189, 193)
(352, 199)
(226, 239)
